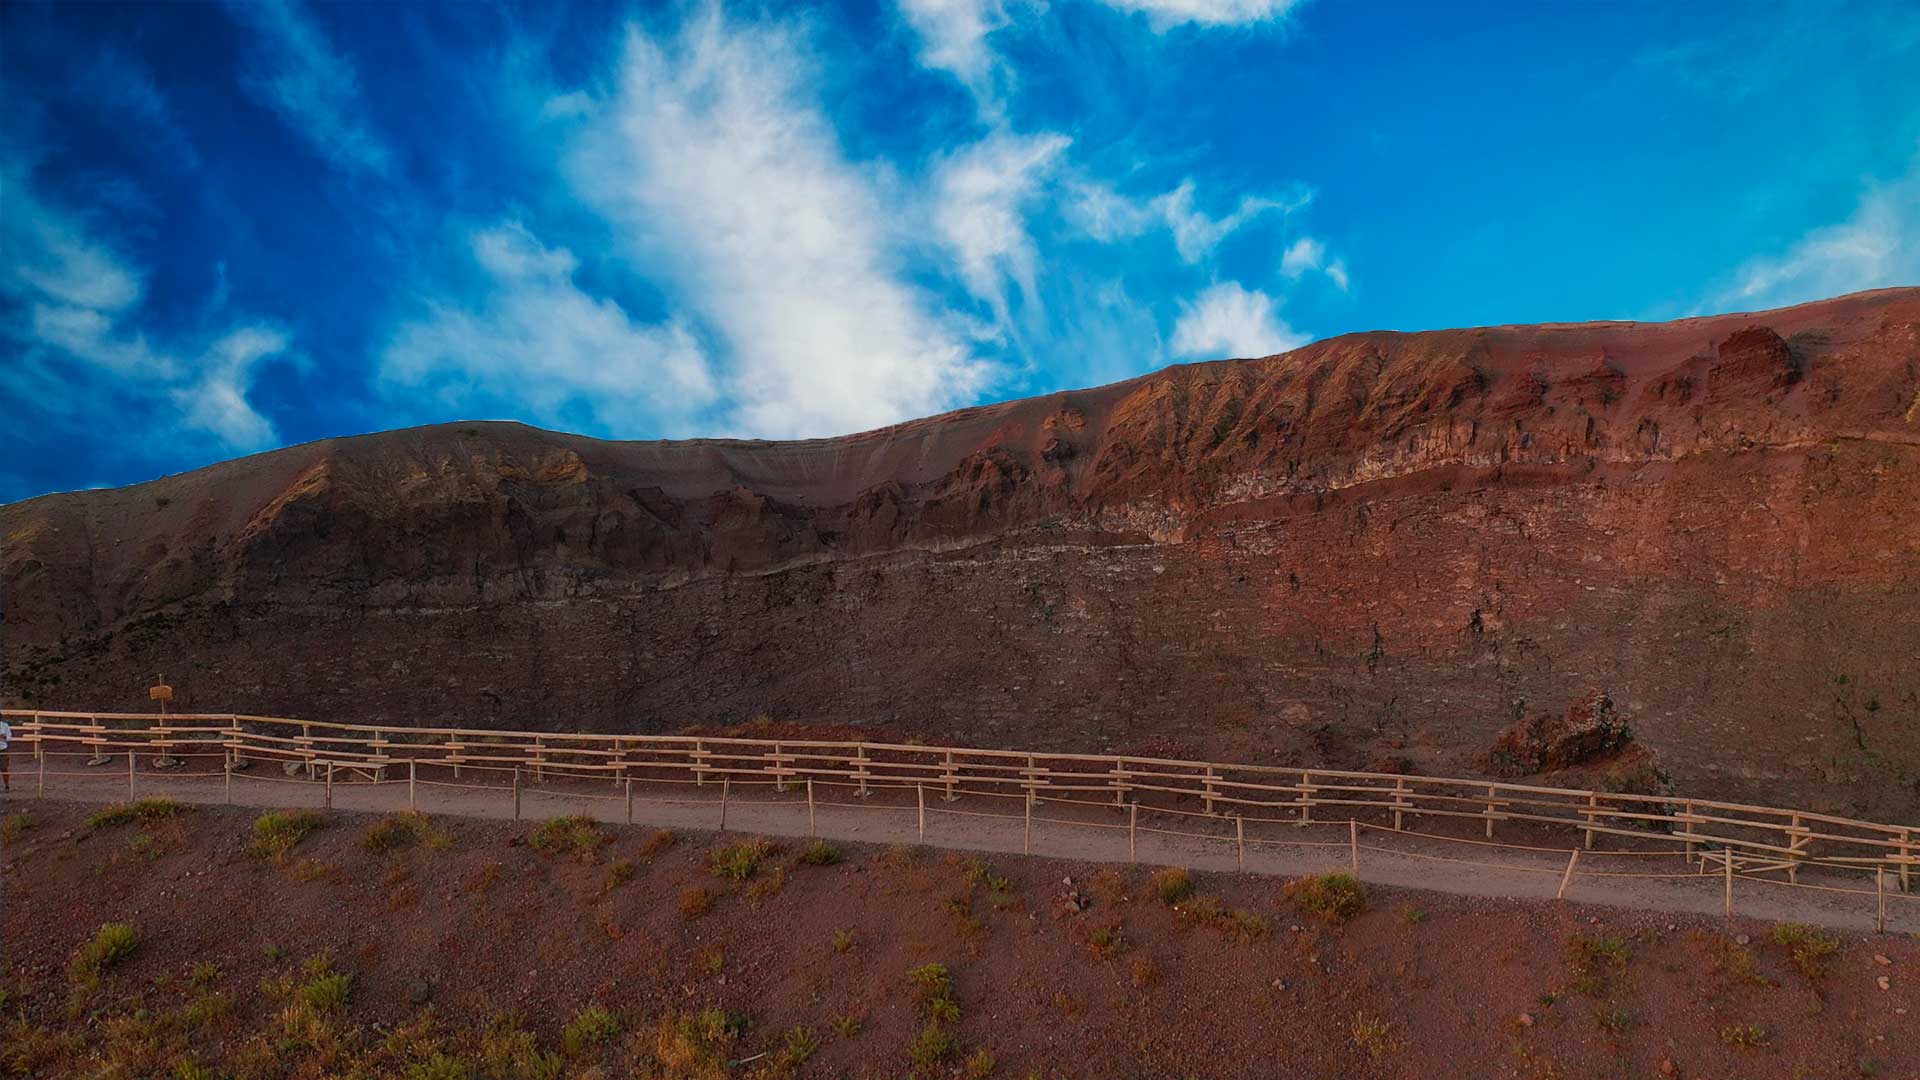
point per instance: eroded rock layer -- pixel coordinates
(1379, 545)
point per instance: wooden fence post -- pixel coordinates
(1026, 844)
(1727, 856)
(1210, 792)
(780, 778)
(1490, 794)
(697, 757)
(1593, 802)
(920, 795)
(629, 785)
(1399, 799)
(1906, 866)
(329, 785)
(811, 831)
(1240, 842)
(229, 783)
(129, 774)
(1880, 899)
(953, 776)
(1119, 783)
(413, 780)
(1573, 858)
(516, 793)
(1353, 844)
(726, 784)
(1133, 821)
(1306, 798)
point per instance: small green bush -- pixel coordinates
(149, 809)
(13, 825)
(738, 862)
(1808, 947)
(934, 980)
(1172, 885)
(441, 1067)
(1593, 960)
(574, 835)
(277, 832)
(819, 853)
(933, 1046)
(325, 990)
(397, 832)
(590, 1027)
(107, 948)
(1334, 898)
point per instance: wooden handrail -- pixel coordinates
(899, 765)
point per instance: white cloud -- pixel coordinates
(315, 89)
(1165, 14)
(216, 402)
(1106, 215)
(536, 341)
(980, 197)
(1877, 245)
(1307, 254)
(1227, 320)
(953, 38)
(81, 302)
(722, 173)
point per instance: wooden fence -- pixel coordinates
(1736, 838)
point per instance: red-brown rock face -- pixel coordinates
(1381, 543)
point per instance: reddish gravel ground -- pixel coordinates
(1419, 985)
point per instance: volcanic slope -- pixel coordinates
(1380, 546)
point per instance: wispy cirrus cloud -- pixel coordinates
(76, 308)
(982, 195)
(298, 73)
(1309, 254)
(953, 38)
(1107, 215)
(1878, 244)
(1228, 320)
(534, 342)
(725, 179)
(1166, 14)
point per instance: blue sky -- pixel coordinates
(225, 228)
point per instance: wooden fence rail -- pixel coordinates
(1755, 839)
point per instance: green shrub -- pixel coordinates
(933, 1046)
(1172, 885)
(819, 853)
(107, 948)
(397, 832)
(13, 825)
(1334, 898)
(590, 1027)
(149, 809)
(441, 1067)
(619, 872)
(1745, 1036)
(796, 1046)
(934, 980)
(277, 832)
(325, 990)
(1593, 960)
(738, 862)
(575, 835)
(1808, 947)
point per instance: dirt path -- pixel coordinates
(1061, 830)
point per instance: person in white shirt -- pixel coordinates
(6, 736)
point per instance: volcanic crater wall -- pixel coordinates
(1380, 544)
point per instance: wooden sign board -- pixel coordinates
(163, 692)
